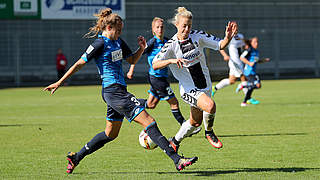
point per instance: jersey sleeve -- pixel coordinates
(93, 51)
(245, 54)
(209, 41)
(150, 45)
(126, 51)
(165, 53)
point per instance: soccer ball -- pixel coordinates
(146, 142)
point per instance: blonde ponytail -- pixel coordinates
(181, 11)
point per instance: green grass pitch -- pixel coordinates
(277, 139)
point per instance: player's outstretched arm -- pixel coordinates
(246, 61)
(163, 63)
(263, 60)
(130, 72)
(224, 54)
(231, 30)
(77, 66)
(136, 56)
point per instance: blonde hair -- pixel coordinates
(181, 11)
(105, 18)
(155, 19)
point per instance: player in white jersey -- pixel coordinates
(183, 53)
(236, 66)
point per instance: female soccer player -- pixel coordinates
(109, 50)
(185, 57)
(235, 48)
(251, 57)
(160, 87)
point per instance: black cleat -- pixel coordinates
(72, 162)
(184, 162)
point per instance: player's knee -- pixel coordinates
(174, 105)
(211, 107)
(232, 81)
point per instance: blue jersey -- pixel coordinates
(108, 55)
(154, 45)
(252, 55)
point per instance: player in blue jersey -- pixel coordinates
(160, 88)
(109, 50)
(251, 57)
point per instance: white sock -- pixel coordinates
(185, 130)
(245, 90)
(208, 120)
(223, 83)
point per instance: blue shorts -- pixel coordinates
(121, 103)
(160, 88)
(253, 80)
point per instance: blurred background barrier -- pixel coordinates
(288, 33)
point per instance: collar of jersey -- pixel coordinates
(158, 40)
(105, 38)
(182, 40)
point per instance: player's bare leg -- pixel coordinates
(209, 107)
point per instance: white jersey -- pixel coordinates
(235, 49)
(194, 75)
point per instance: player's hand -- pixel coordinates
(226, 58)
(179, 62)
(231, 30)
(251, 64)
(129, 75)
(142, 42)
(52, 87)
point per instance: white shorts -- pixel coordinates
(191, 96)
(235, 69)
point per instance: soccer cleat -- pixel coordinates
(195, 131)
(213, 91)
(253, 101)
(72, 162)
(213, 140)
(184, 162)
(173, 145)
(244, 104)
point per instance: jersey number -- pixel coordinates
(188, 98)
(136, 102)
(169, 90)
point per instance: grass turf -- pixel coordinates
(277, 139)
